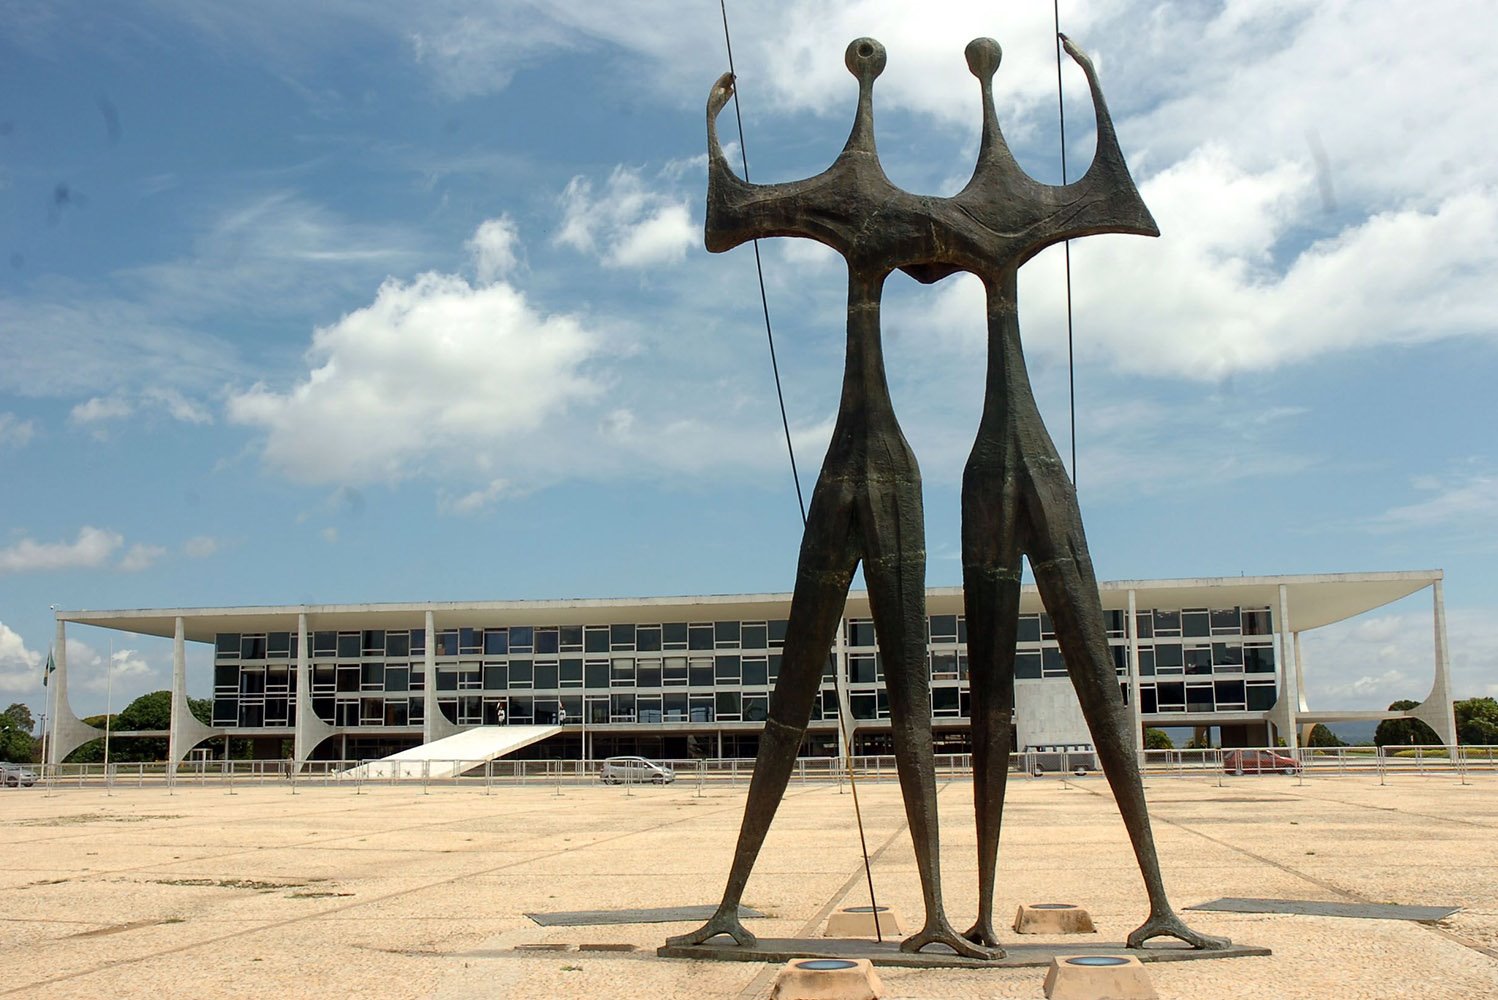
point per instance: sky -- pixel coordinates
(380, 301)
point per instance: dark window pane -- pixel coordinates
(1029, 628)
(726, 670)
(756, 671)
(1147, 662)
(496, 641)
(397, 679)
(398, 644)
(1168, 658)
(1257, 622)
(1229, 693)
(596, 675)
(572, 674)
(520, 673)
(374, 642)
(1260, 697)
(1027, 664)
(1199, 698)
(648, 638)
(674, 634)
(447, 643)
(1225, 621)
(546, 676)
(522, 639)
(755, 637)
(1167, 623)
(943, 628)
(726, 634)
(1172, 696)
(1227, 654)
(571, 638)
(548, 641)
(349, 645)
(324, 643)
(622, 637)
(1258, 659)
(648, 674)
(1147, 700)
(1144, 622)
(700, 637)
(278, 645)
(1199, 660)
(777, 633)
(1196, 622)
(227, 645)
(596, 639)
(700, 673)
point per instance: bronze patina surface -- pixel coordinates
(1017, 499)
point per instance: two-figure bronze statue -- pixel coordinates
(1017, 499)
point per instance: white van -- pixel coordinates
(636, 770)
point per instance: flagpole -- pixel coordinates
(108, 707)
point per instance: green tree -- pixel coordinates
(1476, 721)
(1324, 737)
(1158, 739)
(1404, 732)
(16, 742)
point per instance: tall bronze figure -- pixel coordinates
(1017, 499)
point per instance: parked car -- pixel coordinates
(17, 775)
(1259, 762)
(637, 770)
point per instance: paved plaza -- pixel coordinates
(394, 892)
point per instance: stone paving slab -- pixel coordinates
(646, 915)
(882, 953)
(1319, 908)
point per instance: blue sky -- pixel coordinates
(386, 302)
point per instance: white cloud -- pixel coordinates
(1375, 659)
(1466, 503)
(92, 548)
(15, 432)
(200, 547)
(434, 372)
(477, 500)
(628, 224)
(495, 249)
(329, 535)
(20, 668)
(100, 409)
(89, 671)
(141, 557)
(178, 406)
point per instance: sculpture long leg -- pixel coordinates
(829, 555)
(1068, 586)
(895, 568)
(991, 585)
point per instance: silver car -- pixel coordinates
(635, 770)
(16, 775)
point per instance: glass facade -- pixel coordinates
(1191, 661)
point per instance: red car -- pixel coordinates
(1259, 762)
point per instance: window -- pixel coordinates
(1258, 659)
(622, 671)
(571, 638)
(1167, 623)
(596, 639)
(755, 635)
(1047, 627)
(944, 665)
(1172, 696)
(447, 679)
(226, 646)
(548, 641)
(726, 672)
(398, 644)
(545, 675)
(1029, 628)
(648, 638)
(252, 647)
(1261, 696)
(674, 671)
(862, 668)
(727, 706)
(522, 639)
(756, 708)
(726, 635)
(649, 707)
(674, 635)
(324, 643)
(1027, 664)
(350, 645)
(1198, 659)
(648, 673)
(861, 632)
(1229, 655)
(756, 671)
(1168, 658)
(520, 674)
(447, 643)
(372, 676)
(1146, 661)
(700, 671)
(776, 629)
(1144, 624)
(622, 637)
(945, 703)
(571, 674)
(1196, 622)
(278, 645)
(1256, 621)
(1226, 621)
(622, 708)
(1051, 662)
(1114, 622)
(398, 679)
(374, 642)
(700, 636)
(596, 674)
(1230, 696)
(943, 629)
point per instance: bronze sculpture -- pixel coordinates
(867, 504)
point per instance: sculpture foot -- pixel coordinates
(942, 933)
(982, 932)
(1170, 925)
(725, 921)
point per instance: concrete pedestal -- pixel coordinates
(827, 979)
(860, 922)
(1053, 918)
(1098, 977)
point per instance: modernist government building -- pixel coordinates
(690, 677)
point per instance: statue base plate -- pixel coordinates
(1019, 955)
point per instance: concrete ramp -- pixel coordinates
(446, 758)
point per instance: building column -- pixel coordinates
(1436, 710)
(309, 730)
(1288, 672)
(1300, 691)
(429, 707)
(840, 685)
(68, 731)
(186, 731)
(1136, 712)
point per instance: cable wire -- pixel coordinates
(1071, 368)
